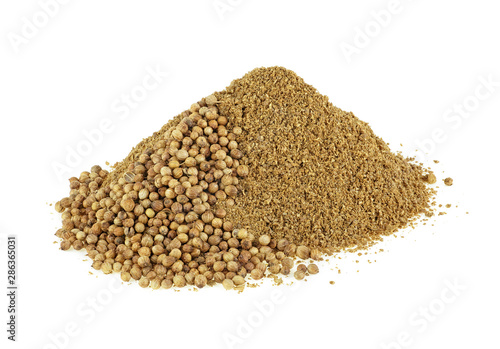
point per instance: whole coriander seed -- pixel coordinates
(179, 281)
(200, 281)
(256, 274)
(302, 252)
(125, 276)
(264, 240)
(302, 267)
(228, 284)
(238, 280)
(312, 268)
(242, 170)
(299, 275)
(128, 205)
(144, 282)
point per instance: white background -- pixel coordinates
(65, 76)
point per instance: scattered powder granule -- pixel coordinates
(239, 186)
(448, 181)
(430, 178)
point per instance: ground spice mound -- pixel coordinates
(318, 175)
(241, 185)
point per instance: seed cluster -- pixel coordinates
(239, 187)
(156, 219)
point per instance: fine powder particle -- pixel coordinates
(448, 181)
(241, 184)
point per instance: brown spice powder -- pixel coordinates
(318, 175)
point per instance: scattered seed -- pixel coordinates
(312, 269)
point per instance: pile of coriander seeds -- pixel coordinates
(197, 203)
(156, 221)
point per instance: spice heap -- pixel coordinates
(239, 185)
